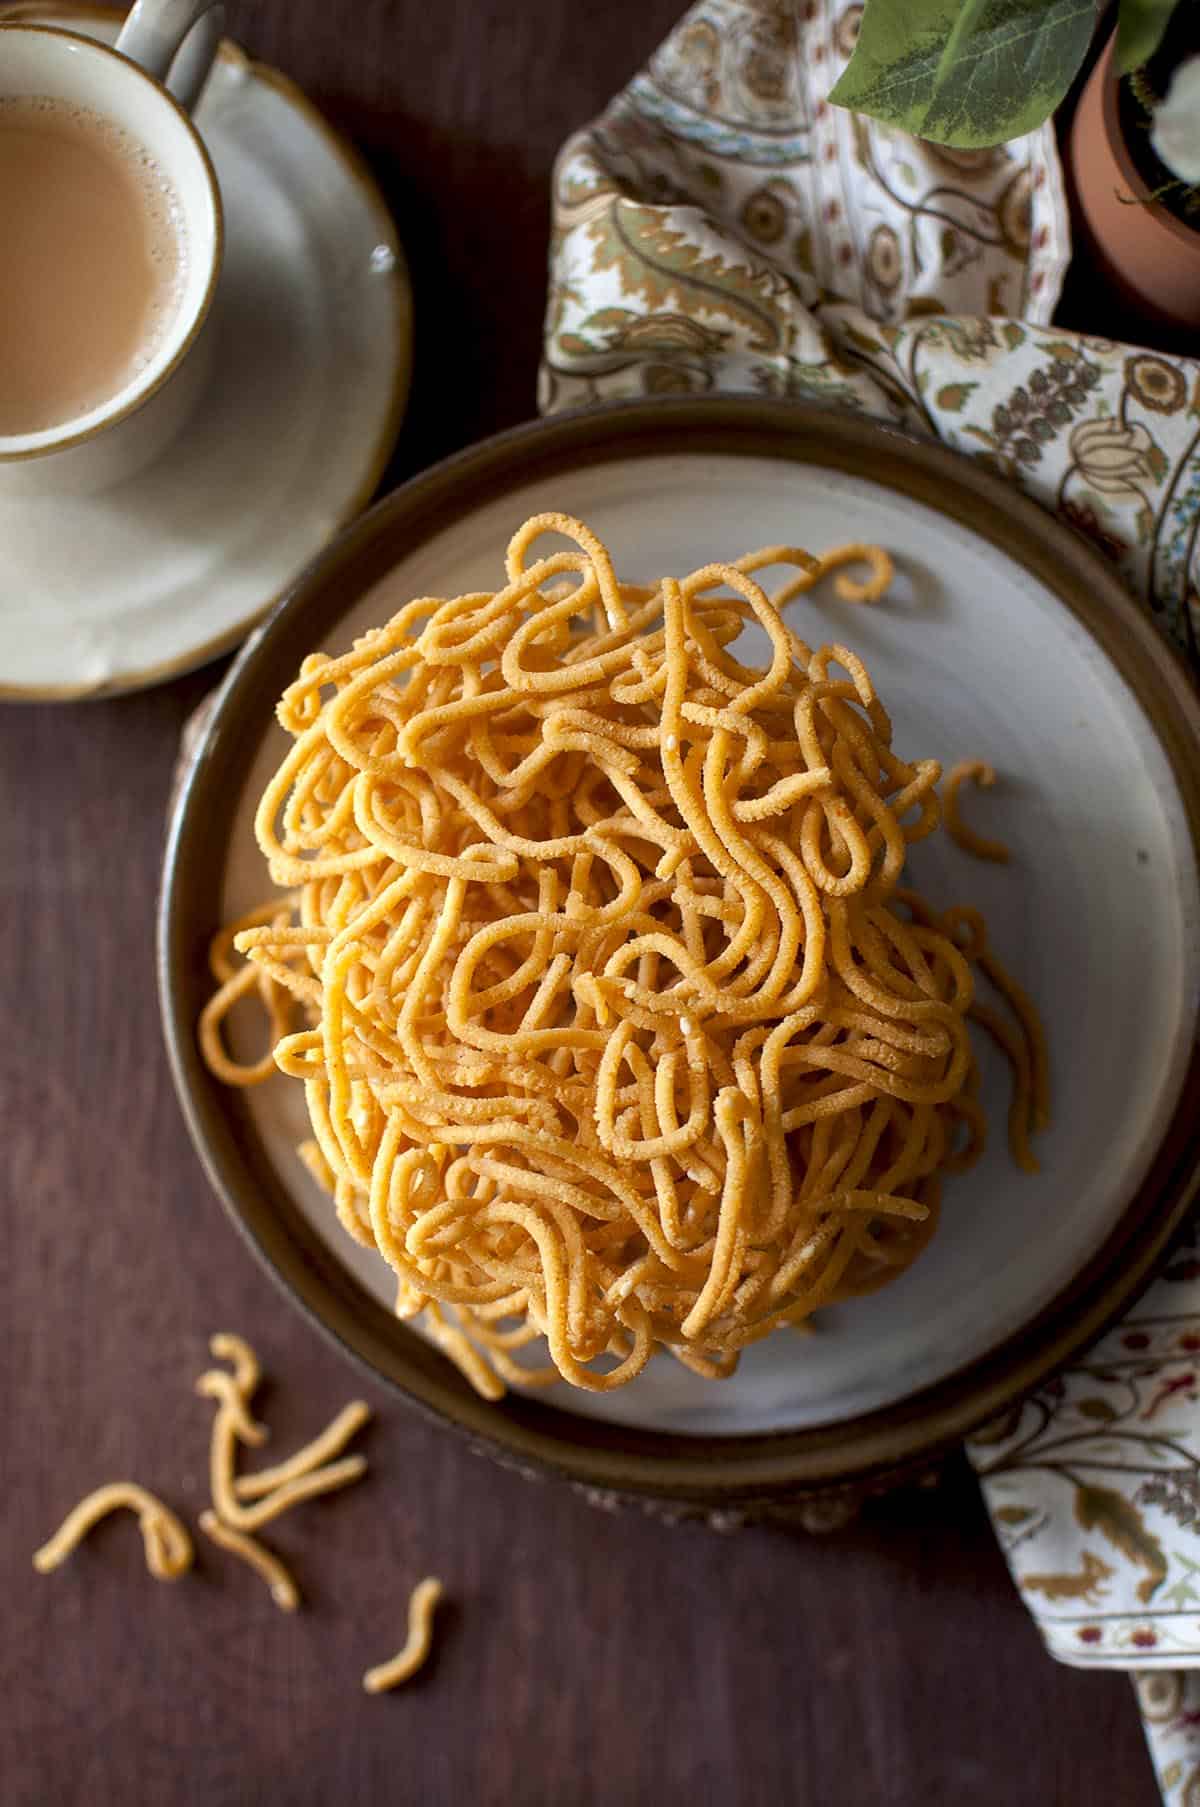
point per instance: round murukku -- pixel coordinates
(615, 1023)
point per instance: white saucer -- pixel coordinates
(310, 376)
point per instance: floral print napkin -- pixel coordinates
(1093, 1485)
(1170, 1704)
(722, 227)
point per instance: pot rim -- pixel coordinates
(1110, 83)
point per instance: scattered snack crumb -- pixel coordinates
(168, 1545)
(283, 1588)
(977, 771)
(405, 1664)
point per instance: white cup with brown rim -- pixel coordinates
(110, 245)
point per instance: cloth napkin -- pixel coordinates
(722, 227)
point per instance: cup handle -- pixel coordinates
(175, 41)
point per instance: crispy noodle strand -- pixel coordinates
(227, 1346)
(404, 1665)
(975, 771)
(167, 1542)
(332, 1440)
(272, 1491)
(235, 982)
(265, 1562)
(615, 1025)
(303, 1475)
(227, 1431)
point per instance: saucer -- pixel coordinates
(311, 364)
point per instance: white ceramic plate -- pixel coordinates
(310, 375)
(1098, 912)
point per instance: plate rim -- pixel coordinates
(747, 1471)
(400, 360)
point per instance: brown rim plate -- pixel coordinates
(749, 1472)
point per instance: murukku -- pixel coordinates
(616, 1025)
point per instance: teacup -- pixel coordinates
(122, 115)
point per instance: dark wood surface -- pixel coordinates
(586, 1658)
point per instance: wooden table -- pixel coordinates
(586, 1658)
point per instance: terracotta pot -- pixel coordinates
(1152, 258)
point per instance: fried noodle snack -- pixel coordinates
(619, 1028)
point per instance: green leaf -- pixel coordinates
(1140, 28)
(1098, 1409)
(1117, 1519)
(1014, 335)
(952, 396)
(1013, 1515)
(969, 73)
